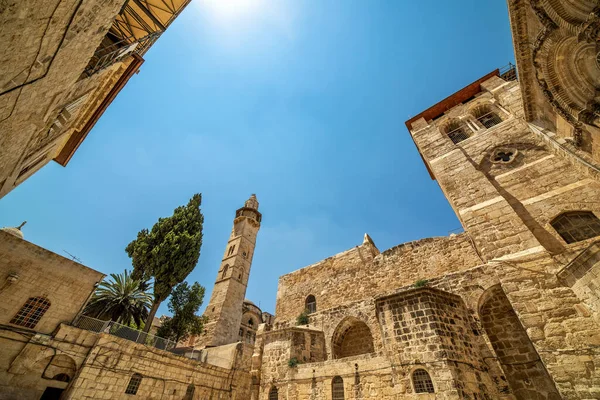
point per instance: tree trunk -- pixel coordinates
(151, 315)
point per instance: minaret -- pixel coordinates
(224, 311)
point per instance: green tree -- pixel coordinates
(184, 303)
(120, 299)
(169, 252)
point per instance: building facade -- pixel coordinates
(49, 351)
(508, 309)
(61, 65)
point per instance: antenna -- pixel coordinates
(73, 257)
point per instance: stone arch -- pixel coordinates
(456, 130)
(337, 388)
(568, 77)
(351, 338)
(568, 14)
(486, 114)
(310, 304)
(421, 381)
(526, 375)
(58, 366)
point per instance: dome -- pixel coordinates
(15, 231)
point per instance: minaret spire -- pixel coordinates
(224, 310)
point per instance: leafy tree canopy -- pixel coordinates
(169, 251)
(184, 303)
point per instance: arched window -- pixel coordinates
(231, 249)
(31, 313)
(337, 388)
(224, 273)
(134, 384)
(273, 394)
(486, 116)
(311, 304)
(422, 381)
(456, 131)
(189, 393)
(575, 226)
(62, 378)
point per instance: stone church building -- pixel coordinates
(507, 309)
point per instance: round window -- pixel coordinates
(503, 155)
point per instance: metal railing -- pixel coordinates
(123, 331)
(509, 72)
(108, 54)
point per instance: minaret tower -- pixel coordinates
(224, 311)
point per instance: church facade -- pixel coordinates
(508, 309)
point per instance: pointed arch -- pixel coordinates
(514, 350)
(224, 272)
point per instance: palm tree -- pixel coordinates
(120, 299)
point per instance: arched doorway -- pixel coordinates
(526, 375)
(351, 338)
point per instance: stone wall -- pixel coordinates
(65, 283)
(363, 272)
(505, 206)
(100, 366)
(47, 47)
(113, 361)
(29, 362)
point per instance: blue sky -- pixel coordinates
(301, 102)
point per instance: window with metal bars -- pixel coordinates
(31, 313)
(273, 394)
(422, 381)
(134, 384)
(575, 226)
(311, 304)
(486, 116)
(337, 388)
(456, 131)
